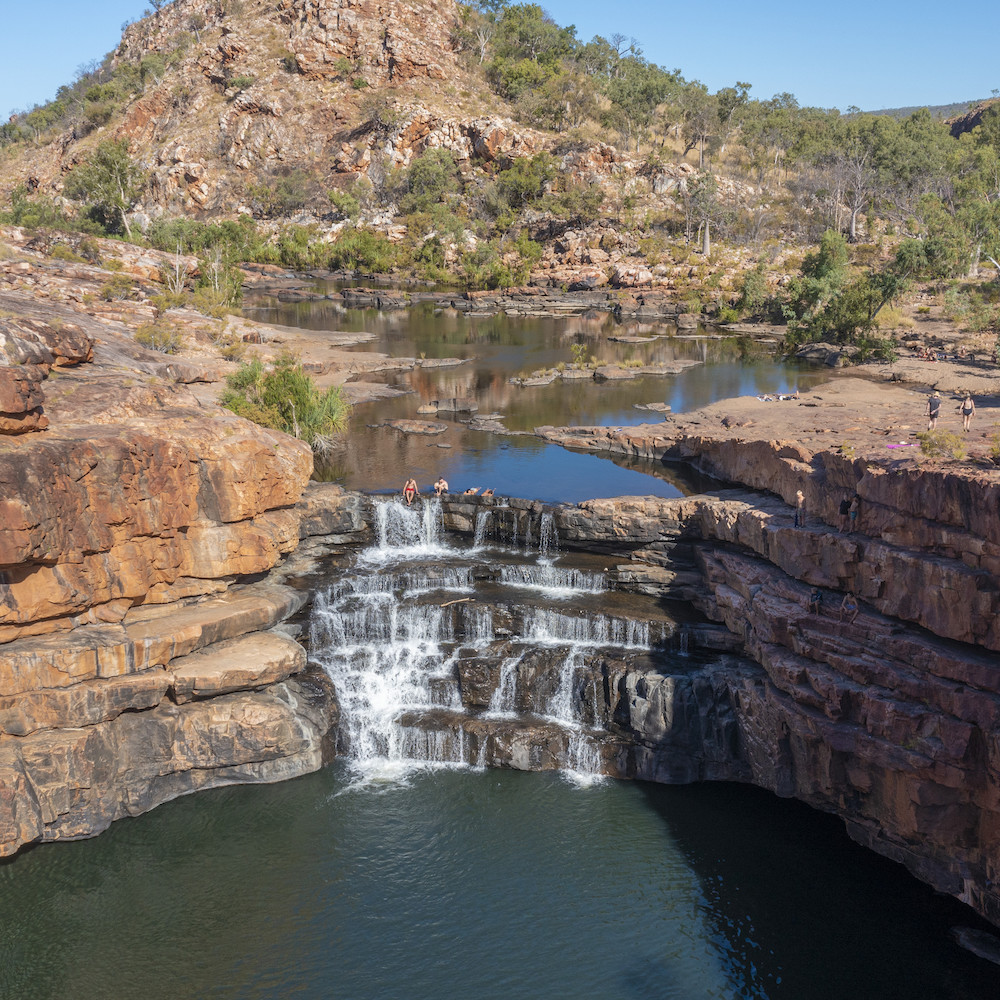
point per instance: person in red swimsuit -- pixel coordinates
(410, 491)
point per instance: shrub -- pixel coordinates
(241, 82)
(497, 264)
(941, 444)
(344, 203)
(525, 180)
(118, 287)
(428, 180)
(995, 444)
(160, 336)
(361, 249)
(281, 191)
(38, 213)
(62, 252)
(285, 398)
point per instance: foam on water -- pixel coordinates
(394, 659)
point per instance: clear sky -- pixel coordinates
(873, 54)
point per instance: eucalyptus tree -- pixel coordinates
(634, 93)
(109, 183)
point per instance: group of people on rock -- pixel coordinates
(849, 609)
(411, 491)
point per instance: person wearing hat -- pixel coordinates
(933, 409)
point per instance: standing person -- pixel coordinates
(968, 408)
(410, 491)
(845, 511)
(852, 512)
(815, 600)
(933, 409)
(800, 509)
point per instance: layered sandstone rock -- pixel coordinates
(140, 533)
(890, 721)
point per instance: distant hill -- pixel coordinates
(941, 111)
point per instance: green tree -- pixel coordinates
(285, 398)
(109, 183)
(429, 179)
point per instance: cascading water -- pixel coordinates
(495, 526)
(548, 537)
(417, 620)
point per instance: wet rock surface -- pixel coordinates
(890, 719)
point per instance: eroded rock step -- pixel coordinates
(250, 661)
(97, 672)
(70, 783)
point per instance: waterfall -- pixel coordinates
(553, 581)
(496, 526)
(407, 532)
(416, 618)
(545, 628)
(548, 537)
(483, 518)
(503, 703)
(583, 758)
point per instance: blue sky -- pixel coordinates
(875, 54)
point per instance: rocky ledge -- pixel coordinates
(143, 542)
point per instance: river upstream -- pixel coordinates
(411, 868)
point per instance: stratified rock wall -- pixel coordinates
(139, 535)
(890, 720)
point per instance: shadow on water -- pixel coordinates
(492, 885)
(798, 910)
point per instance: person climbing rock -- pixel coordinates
(815, 600)
(845, 512)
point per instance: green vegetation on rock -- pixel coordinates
(285, 398)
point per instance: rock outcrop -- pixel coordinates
(139, 540)
(890, 720)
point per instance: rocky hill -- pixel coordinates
(973, 117)
(232, 91)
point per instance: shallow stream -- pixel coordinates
(496, 349)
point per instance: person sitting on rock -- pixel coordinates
(487, 493)
(441, 486)
(849, 607)
(410, 491)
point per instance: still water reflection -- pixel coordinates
(458, 883)
(498, 348)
